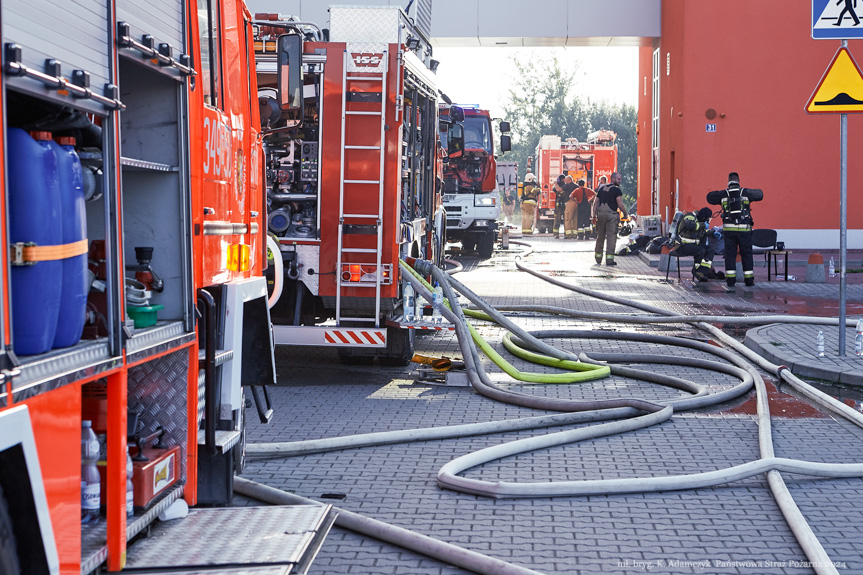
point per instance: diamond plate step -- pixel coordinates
(225, 440)
(234, 540)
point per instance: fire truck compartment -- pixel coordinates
(233, 540)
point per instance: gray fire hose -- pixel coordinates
(642, 413)
(428, 546)
(812, 547)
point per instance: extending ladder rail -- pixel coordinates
(343, 180)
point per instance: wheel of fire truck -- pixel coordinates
(351, 356)
(8, 549)
(468, 244)
(400, 347)
(485, 245)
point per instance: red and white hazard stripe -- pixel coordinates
(330, 336)
(356, 337)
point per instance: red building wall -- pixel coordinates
(755, 64)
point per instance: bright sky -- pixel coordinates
(483, 76)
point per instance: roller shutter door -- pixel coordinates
(74, 32)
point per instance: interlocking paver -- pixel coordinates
(734, 528)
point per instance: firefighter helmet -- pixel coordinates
(529, 178)
(704, 214)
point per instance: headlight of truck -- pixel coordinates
(480, 223)
(484, 201)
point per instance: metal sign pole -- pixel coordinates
(843, 220)
(843, 225)
(840, 91)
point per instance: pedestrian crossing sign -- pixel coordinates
(840, 89)
(837, 20)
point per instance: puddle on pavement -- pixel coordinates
(736, 330)
(794, 304)
(849, 395)
(784, 405)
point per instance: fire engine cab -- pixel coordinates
(471, 197)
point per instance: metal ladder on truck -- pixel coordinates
(350, 77)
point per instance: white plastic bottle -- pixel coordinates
(832, 268)
(420, 308)
(409, 302)
(90, 489)
(437, 303)
(819, 344)
(130, 489)
(858, 339)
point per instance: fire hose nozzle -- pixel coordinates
(437, 363)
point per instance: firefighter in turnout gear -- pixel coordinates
(584, 196)
(529, 195)
(691, 240)
(560, 198)
(609, 199)
(736, 226)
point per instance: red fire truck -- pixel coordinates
(133, 294)
(353, 180)
(470, 197)
(582, 160)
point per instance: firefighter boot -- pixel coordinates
(730, 277)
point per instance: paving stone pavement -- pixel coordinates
(734, 528)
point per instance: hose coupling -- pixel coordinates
(424, 267)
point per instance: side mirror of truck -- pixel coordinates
(504, 127)
(505, 143)
(456, 114)
(290, 72)
(455, 140)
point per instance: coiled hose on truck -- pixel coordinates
(643, 413)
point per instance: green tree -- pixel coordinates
(537, 105)
(543, 101)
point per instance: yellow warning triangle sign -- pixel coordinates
(840, 90)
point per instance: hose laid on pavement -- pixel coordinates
(295, 448)
(812, 547)
(655, 413)
(676, 318)
(405, 538)
(473, 366)
(595, 411)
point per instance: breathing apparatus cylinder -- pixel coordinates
(73, 297)
(34, 217)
